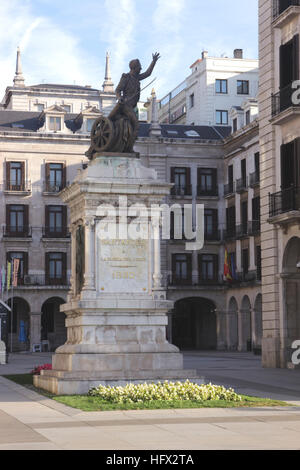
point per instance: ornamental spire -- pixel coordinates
(108, 85)
(19, 79)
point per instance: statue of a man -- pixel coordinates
(128, 92)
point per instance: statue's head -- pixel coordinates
(135, 65)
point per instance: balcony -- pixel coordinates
(242, 231)
(254, 227)
(18, 187)
(241, 185)
(254, 179)
(10, 231)
(52, 187)
(192, 281)
(285, 205)
(54, 232)
(283, 106)
(213, 235)
(229, 189)
(182, 191)
(284, 11)
(205, 192)
(36, 280)
(230, 233)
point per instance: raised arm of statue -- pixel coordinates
(149, 71)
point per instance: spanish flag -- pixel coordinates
(227, 268)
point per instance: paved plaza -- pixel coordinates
(31, 421)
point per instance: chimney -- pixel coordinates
(238, 53)
(204, 54)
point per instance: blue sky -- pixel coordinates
(65, 41)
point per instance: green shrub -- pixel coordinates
(166, 391)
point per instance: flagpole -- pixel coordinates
(11, 319)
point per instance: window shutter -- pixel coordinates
(216, 267)
(64, 268)
(64, 176)
(214, 179)
(8, 182)
(23, 175)
(189, 266)
(47, 167)
(200, 267)
(26, 220)
(215, 219)
(287, 166)
(8, 218)
(296, 57)
(64, 220)
(47, 221)
(172, 175)
(25, 261)
(188, 182)
(47, 269)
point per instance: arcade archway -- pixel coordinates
(18, 325)
(53, 327)
(291, 271)
(194, 324)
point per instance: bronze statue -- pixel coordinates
(118, 132)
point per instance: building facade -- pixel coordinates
(42, 152)
(215, 85)
(279, 28)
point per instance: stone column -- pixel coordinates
(35, 328)
(221, 330)
(89, 247)
(157, 267)
(243, 317)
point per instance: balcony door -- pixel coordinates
(289, 62)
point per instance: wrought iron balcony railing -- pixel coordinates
(213, 192)
(229, 189)
(193, 281)
(279, 6)
(242, 230)
(254, 179)
(254, 227)
(230, 233)
(44, 280)
(182, 190)
(283, 100)
(241, 185)
(284, 201)
(213, 235)
(51, 187)
(21, 231)
(55, 232)
(23, 186)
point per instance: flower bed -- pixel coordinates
(166, 391)
(37, 369)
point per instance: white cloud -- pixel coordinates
(48, 52)
(167, 22)
(118, 33)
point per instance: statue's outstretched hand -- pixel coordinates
(155, 56)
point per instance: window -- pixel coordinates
(182, 268)
(244, 214)
(289, 63)
(55, 177)
(244, 172)
(23, 266)
(211, 224)
(40, 107)
(56, 221)
(230, 221)
(207, 182)
(245, 261)
(56, 268)
(247, 115)
(256, 214)
(66, 107)
(17, 220)
(182, 179)
(234, 125)
(192, 100)
(15, 176)
(257, 163)
(222, 117)
(208, 268)
(258, 262)
(89, 124)
(221, 86)
(243, 87)
(55, 123)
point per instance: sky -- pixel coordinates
(65, 41)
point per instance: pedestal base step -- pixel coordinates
(77, 383)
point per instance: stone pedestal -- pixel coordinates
(117, 310)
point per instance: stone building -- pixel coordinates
(42, 151)
(279, 29)
(214, 86)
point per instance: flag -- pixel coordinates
(8, 275)
(227, 270)
(233, 267)
(16, 264)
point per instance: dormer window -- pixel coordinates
(89, 124)
(54, 123)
